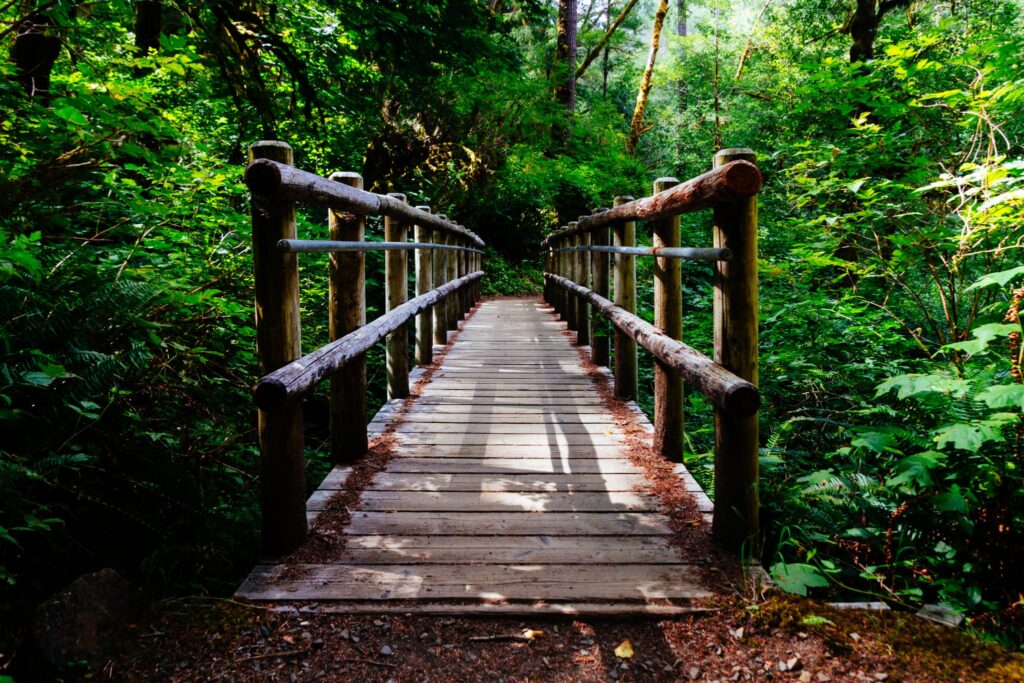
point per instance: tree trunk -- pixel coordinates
(681, 31)
(34, 54)
(636, 128)
(147, 25)
(863, 26)
(565, 55)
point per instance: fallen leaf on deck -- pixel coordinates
(531, 634)
(624, 650)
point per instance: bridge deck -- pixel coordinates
(510, 491)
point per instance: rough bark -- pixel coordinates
(862, 26)
(148, 15)
(636, 126)
(565, 55)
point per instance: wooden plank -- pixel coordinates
(571, 610)
(391, 481)
(461, 582)
(497, 420)
(425, 426)
(510, 523)
(541, 453)
(485, 402)
(495, 465)
(508, 550)
(495, 501)
(552, 437)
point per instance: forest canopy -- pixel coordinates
(889, 134)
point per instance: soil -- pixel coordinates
(781, 638)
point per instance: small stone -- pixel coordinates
(306, 635)
(695, 673)
(806, 677)
(378, 622)
(855, 637)
(344, 634)
(881, 676)
(387, 651)
(824, 677)
(794, 664)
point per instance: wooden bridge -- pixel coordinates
(510, 481)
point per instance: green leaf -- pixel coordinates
(999, 279)
(983, 336)
(1003, 396)
(967, 436)
(72, 115)
(815, 620)
(913, 384)
(796, 577)
(915, 471)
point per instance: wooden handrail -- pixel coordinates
(730, 380)
(273, 179)
(726, 184)
(733, 394)
(276, 186)
(298, 377)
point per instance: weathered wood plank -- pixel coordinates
(460, 581)
(496, 465)
(508, 550)
(542, 453)
(508, 523)
(496, 501)
(538, 608)
(553, 437)
(424, 427)
(391, 481)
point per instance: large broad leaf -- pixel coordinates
(968, 436)
(999, 279)
(796, 577)
(1003, 396)
(915, 471)
(983, 336)
(913, 384)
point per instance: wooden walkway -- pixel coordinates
(510, 493)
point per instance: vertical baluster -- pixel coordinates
(736, 519)
(424, 283)
(668, 315)
(440, 267)
(599, 262)
(347, 314)
(278, 342)
(396, 276)
(583, 270)
(625, 297)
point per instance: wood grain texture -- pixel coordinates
(510, 491)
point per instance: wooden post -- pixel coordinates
(572, 303)
(599, 261)
(451, 306)
(396, 276)
(547, 268)
(424, 283)
(439, 276)
(460, 296)
(736, 520)
(278, 342)
(668, 315)
(583, 270)
(561, 296)
(625, 297)
(347, 314)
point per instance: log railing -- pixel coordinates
(577, 279)
(448, 271)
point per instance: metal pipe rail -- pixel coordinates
(331, 247)
(691, 253)
(578, 268)
(448, 271)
